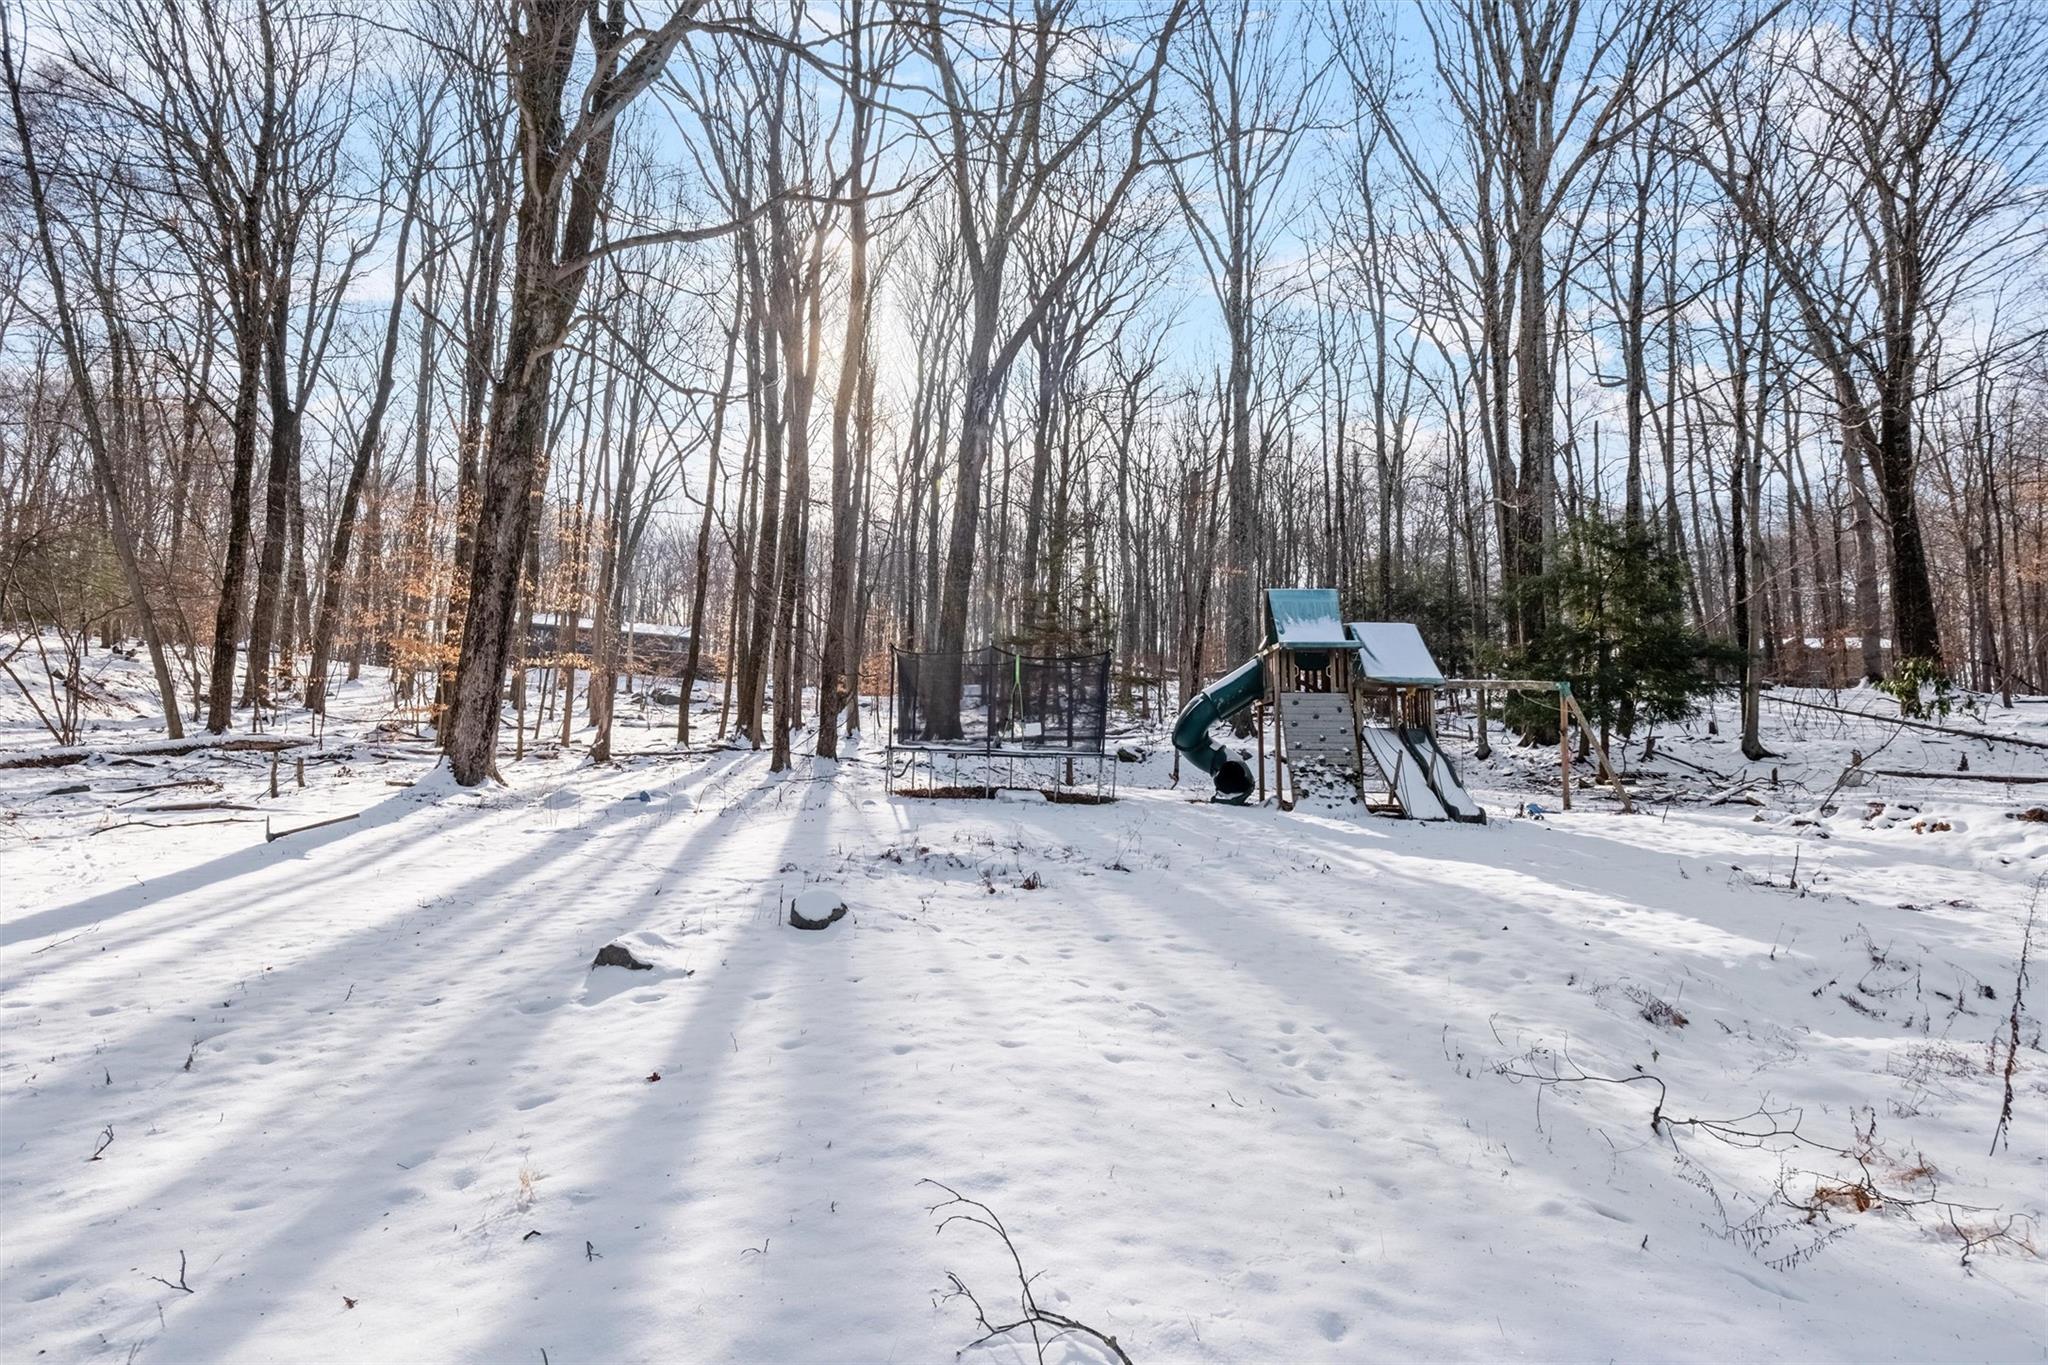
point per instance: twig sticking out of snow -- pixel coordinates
(1856, 769)
(1033, 1316)
(181, 1277)
(2012, 1046)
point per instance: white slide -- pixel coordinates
(1405, 777)
(1436, 766)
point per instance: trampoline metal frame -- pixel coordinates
(997, 758)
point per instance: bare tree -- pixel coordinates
(1895, 177)
(865, 70)
(203, 94)
(1020, 98)
(1251, 106)
(112, 497)
(410, 175)
(566, 166)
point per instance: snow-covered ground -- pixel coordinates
(1242, 1084)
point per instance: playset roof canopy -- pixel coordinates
(1393, 652)
(1306, 618)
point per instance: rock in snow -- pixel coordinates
(617, 955)
(816, 908)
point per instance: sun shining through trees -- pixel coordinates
(807, 330)
(603, 474)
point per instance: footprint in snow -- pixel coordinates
(49, 1289)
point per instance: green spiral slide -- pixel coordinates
(1220, 700)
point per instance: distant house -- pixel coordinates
(647, 647)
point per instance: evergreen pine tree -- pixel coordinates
(1617, 631)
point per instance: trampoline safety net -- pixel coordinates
(993, 698)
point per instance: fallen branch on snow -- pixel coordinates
(65, 757)
(270, 838)
(173, 824)
(1760, 1128)
(1962, 777)
(1033, 1316)
(1987, 736)
(1857, 758)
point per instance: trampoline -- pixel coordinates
(992, 719)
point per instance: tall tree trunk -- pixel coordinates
(334, 585)
(284, 452)
(804, 313)
(549, 269)
(762, 584)
(1863, 514)
(840, 589)
(1915, 632)
(694, 660)
(296, 617)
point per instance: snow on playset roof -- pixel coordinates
(1389, 651)
(1393, 652)
(1306, 618)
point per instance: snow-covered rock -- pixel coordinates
(816, 907)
